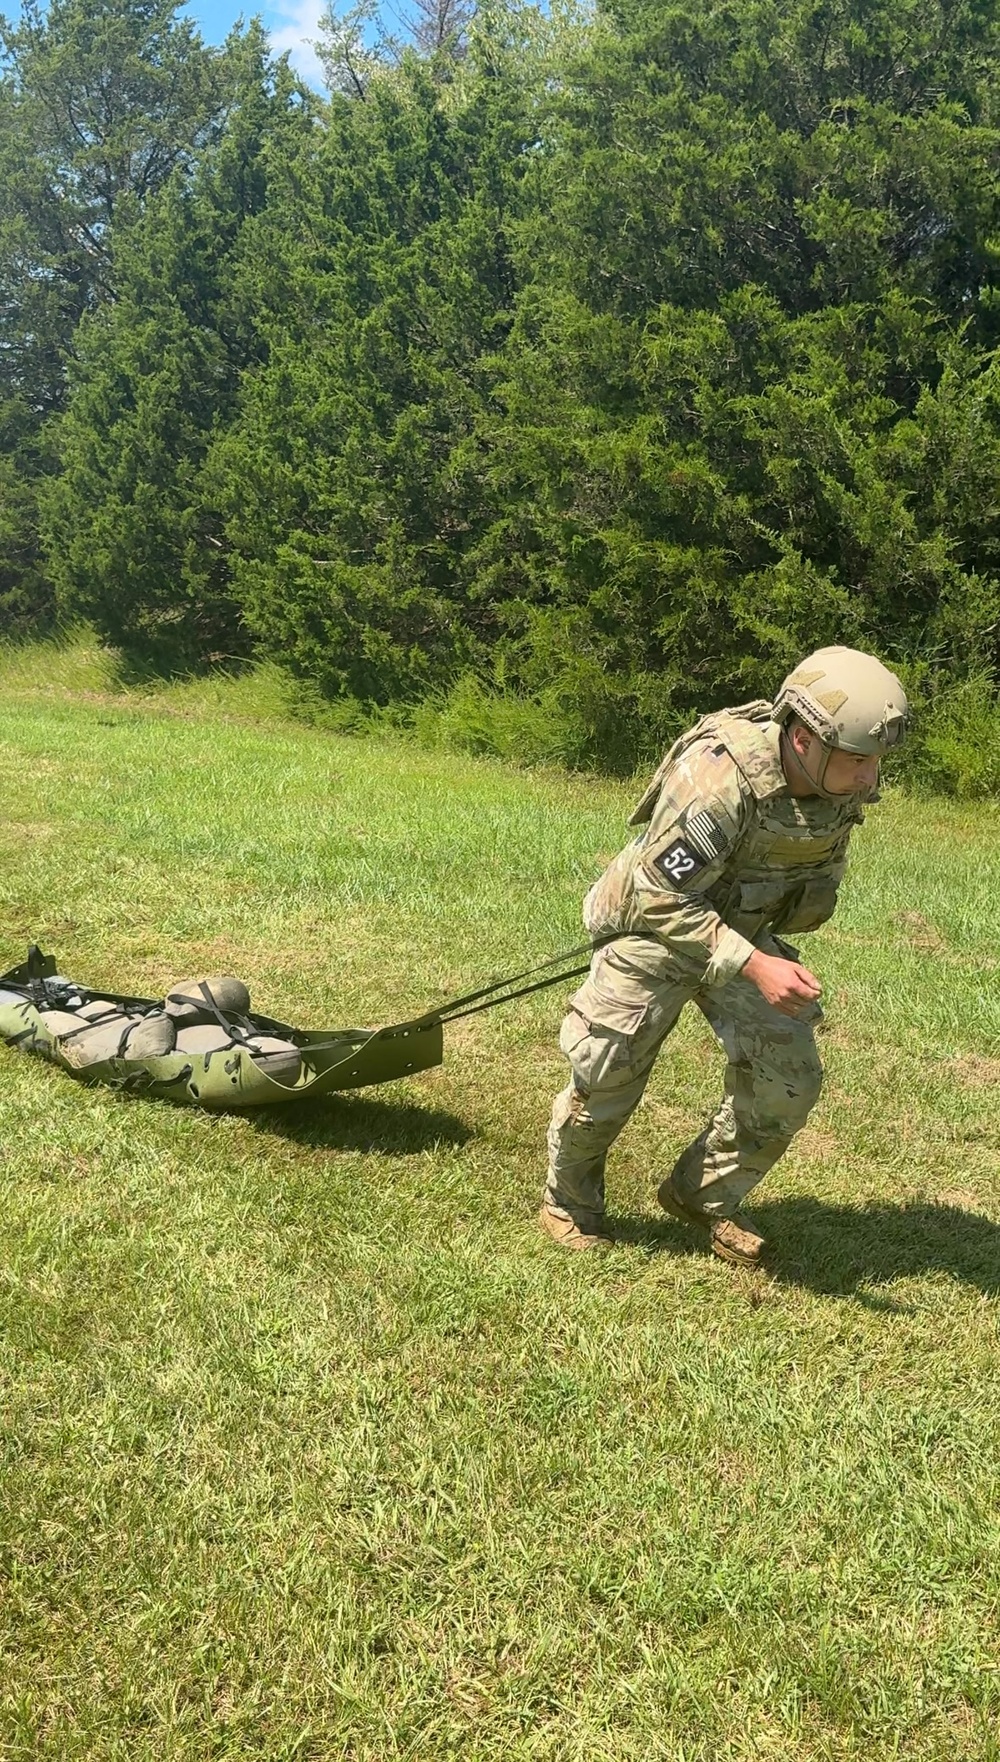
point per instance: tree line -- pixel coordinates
(601, 359)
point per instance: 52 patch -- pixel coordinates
(679, 864)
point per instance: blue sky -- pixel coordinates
(290, 24)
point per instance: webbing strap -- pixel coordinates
(456, 1015)
(238, 1033)
(471, 1004)
(456, 1006)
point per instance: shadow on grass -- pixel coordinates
(388, 1128)
(846, 1250)
(840, 1249)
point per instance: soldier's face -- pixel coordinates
(848, 773)
(845, 773)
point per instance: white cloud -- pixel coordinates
(294, 28)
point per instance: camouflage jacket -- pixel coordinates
(727, 852)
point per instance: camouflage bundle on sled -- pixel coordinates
(200, 1044)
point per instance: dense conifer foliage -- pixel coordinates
(135, 534)
(101, 101)
(606, 358)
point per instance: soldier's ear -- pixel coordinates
(801, 737)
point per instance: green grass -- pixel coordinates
(312, 1447)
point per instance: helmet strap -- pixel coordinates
(814, 777)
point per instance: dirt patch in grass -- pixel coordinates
(963, 1198)
(816, 1145)
(33, 831)
(974, 1071)
(20, 927)
(731, 1469)
(921, 933)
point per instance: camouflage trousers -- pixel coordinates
(614, 1029)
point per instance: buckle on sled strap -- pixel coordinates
(39, 965)
(31, 975)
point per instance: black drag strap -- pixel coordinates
(470, 1005)
(456, 1007)
(456, 1015)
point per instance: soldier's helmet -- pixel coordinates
(847, 698)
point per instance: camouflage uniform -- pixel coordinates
(727, 859)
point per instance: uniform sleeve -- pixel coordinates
(700, 815)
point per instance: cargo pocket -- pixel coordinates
(760, 903)
(640, 961)
(600, 1009)
(614, 1008)
(614, 995)
(812, 908)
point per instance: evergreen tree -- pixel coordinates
(101, 101)
(136, 544)
(380, 275)
(760, 264)
(617, 357)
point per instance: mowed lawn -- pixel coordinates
(311, 1446)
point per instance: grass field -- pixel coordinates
(312, 1447)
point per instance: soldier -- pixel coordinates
(744, 835)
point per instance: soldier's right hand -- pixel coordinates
(787, 985)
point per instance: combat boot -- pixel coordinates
(737, 1239)
(677, 1208)
(581, 1229)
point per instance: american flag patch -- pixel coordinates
(707, 838)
